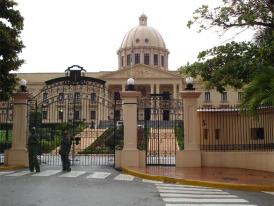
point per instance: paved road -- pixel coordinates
(105, 186)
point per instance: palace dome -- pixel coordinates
(143, 45)
(143, 36)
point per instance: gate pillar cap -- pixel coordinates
(131, 94)
(21, 95)
(190, 94)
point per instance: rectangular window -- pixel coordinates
(137, 58)
(146, 58)
(207, 96)
(93, 97)
(147, 113)
(77, 96)
(128, 60)
(93, 115)
(224, 97)
(45, 114)
(162, 61)
(240, 96)
(61, 97)
(205, 133)
(117, 96)
(76, 115)
(257, 133)
(166, 115)
(70, 96)
(122, 61)
(155, 59)
(45, 97)
(165, 95)
(217, 134)
(117, 115)
(61, 114)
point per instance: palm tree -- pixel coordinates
(260, 91)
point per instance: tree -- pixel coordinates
(11, 25)
(247, 65)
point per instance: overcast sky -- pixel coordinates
(60, 33)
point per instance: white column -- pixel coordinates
(152, 89)
(157, 88)
(174, 91)
(123, 87)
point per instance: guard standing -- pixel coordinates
(64, 151)
(33, 149)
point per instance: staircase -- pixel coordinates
(163, 140)
(87, 137)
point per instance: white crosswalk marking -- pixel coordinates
(187, 188)
(204, 200)
(99, 175)
(73, 174)
(187, 204)
(18, 174)
(195, 195)
(184, 186)
(151, 181)
(6, 172)
(46, 173)
(187, 195)
(193, 192)
(124, 177)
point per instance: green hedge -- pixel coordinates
(179, 133)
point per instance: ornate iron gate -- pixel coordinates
(162, 121)
(6, 117)
(83, 106)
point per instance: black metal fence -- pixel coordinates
(229, 129)
(6, 118)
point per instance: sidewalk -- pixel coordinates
(229, 178)
(4, 167)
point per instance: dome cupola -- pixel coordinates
(143, 45)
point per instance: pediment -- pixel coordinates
(141, 72)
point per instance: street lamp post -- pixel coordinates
(130, 84)
(189, 83)
(23, 85)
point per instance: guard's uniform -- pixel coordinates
(33, 149)
(64, 152)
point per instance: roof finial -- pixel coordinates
(143, 20)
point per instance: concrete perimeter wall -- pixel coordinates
(249, 160)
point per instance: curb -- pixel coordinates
(9, 167)
(245, 187)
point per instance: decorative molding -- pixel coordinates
(141, 72)
(190, 94)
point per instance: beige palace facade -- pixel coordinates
(143, 55)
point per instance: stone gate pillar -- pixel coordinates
(130, 156)
(18, 154)
(191, 155)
